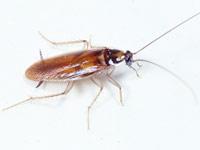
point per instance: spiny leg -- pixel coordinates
(94, 100)
(85, 42)
(67, 89)
(116, 84)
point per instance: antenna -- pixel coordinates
(165, 33)
(174, 75)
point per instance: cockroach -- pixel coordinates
(88, 63)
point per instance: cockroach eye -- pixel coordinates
(129, 58)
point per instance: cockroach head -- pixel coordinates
(128, 58)
(117, 56)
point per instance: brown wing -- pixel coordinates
(68, 66)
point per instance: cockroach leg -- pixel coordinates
(39, 84)
(85, 42)
(112, 68)
(116, 84)
(94, 100)
(67, 89)
(98, 47)
(90, 46)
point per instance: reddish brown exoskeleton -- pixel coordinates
(88, 63)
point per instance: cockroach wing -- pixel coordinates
(72, 66)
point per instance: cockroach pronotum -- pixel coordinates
(88, 63)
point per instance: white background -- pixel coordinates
(159, 112)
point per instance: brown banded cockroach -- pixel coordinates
(87, 64)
